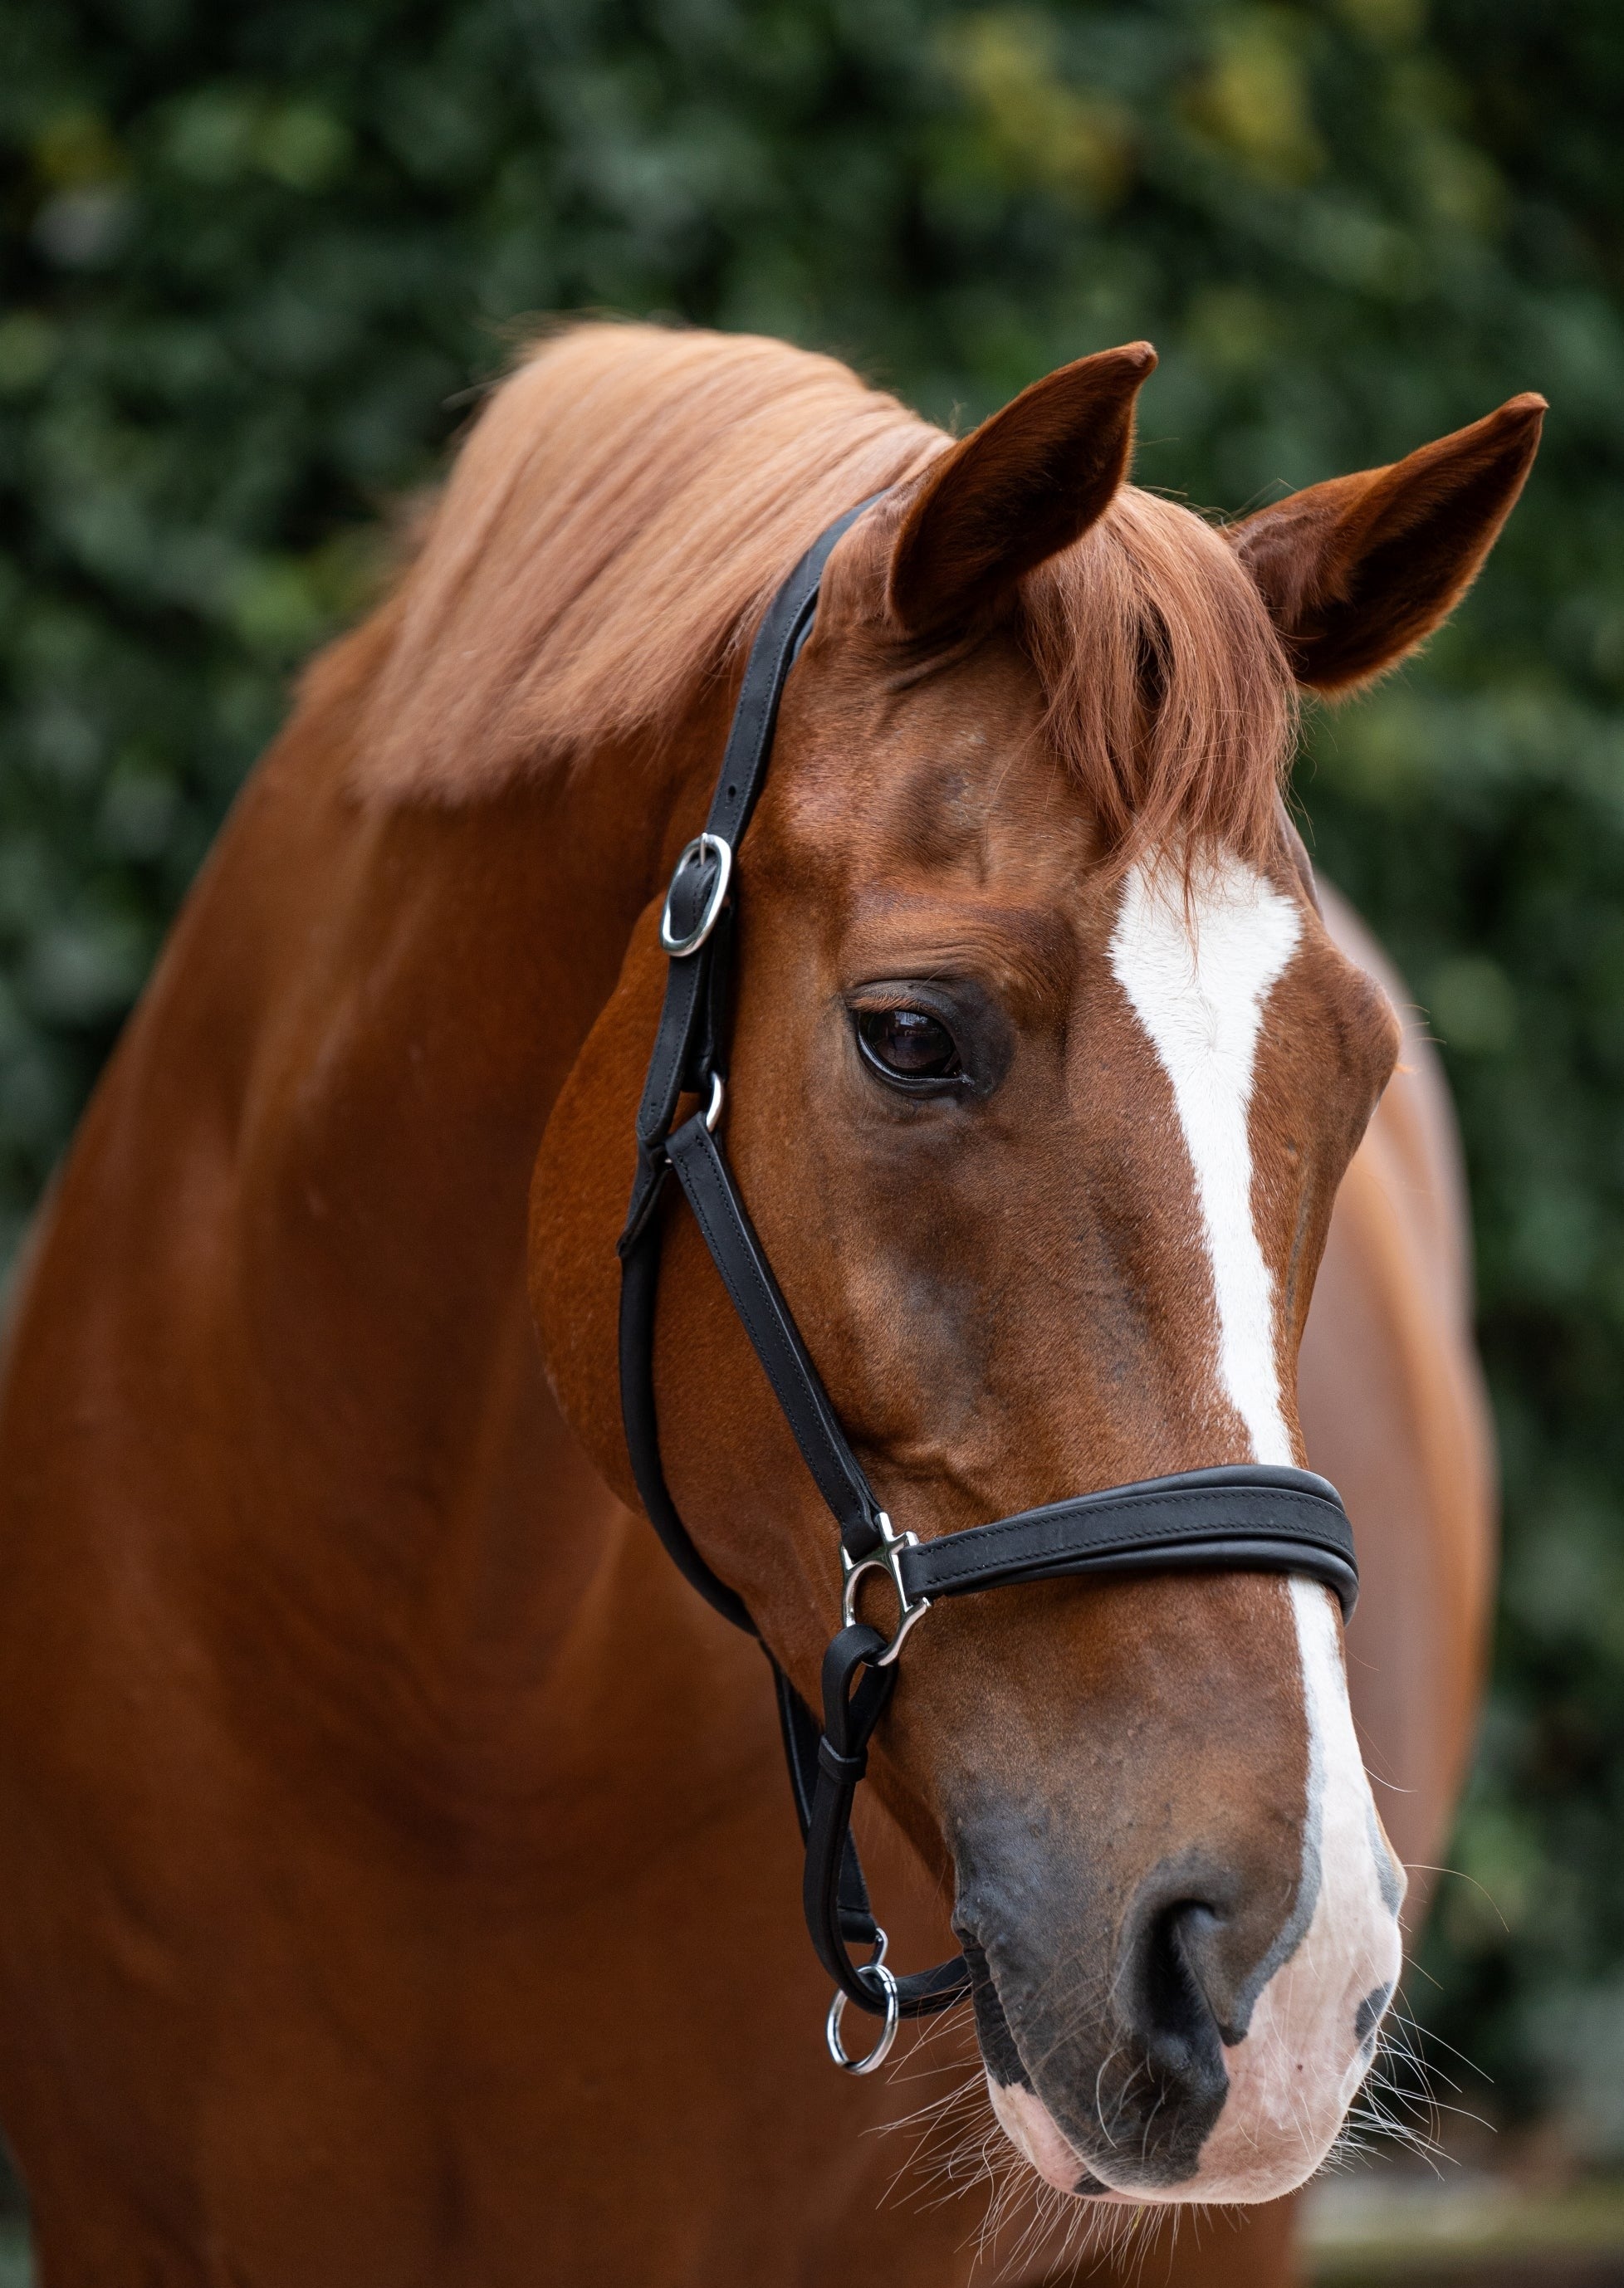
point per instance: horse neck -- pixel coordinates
(423, 980)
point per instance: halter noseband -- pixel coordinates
(1248, 1517)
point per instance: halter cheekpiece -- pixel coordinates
(1248, 1517)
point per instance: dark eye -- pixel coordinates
(908, 1045)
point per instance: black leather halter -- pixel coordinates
(1244, 1518)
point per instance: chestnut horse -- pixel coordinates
(401, 1878)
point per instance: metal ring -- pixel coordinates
(887, 1560)
(701, 846)
(881, 2050)
(713, 1110)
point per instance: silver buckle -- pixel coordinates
(701, 846)
(887, 1560)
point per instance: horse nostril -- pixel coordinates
(1168, 1996)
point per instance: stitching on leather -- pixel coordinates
(924, 1577)
(1221, 1498)
(942, 1560)
(754, 744)
(1050, 1539)
(660, 1091)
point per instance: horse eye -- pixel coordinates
(907, 1045)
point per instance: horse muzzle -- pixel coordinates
(1191, 2045)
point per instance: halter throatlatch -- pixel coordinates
(1244, 1518)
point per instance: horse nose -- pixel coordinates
(1186, 1980)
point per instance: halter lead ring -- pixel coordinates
(875, 1969)
(1246, 1517)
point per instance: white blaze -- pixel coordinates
(1298, 2069)
(1197, 974)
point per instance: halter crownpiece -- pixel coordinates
(1246, 1517)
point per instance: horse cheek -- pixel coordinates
(579, 1188)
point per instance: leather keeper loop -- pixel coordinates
(846, 1771)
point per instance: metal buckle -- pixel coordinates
(881, 2050)
(887, 1560)
(701, 846)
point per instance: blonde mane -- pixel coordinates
(627, 504)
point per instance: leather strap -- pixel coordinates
(855, 1696)
(726, 1228)
(687, 1054)
(801, 1741)
(686, 986)
(776, 648)
(674, 1067)
(1245, 1518)
(639, 1280)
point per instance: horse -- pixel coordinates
(401, 1876)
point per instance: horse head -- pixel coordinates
(1044, 1075)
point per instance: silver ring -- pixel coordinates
(713, 1110)
(701, 846)
(881, 2050)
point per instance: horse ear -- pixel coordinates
(1024, 486)
(1356, 572)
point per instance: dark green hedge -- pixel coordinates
(257, 256)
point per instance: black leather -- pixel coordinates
(1249, 1516)
(691, 890)
(639, 1280)
(774, 651)
(802, 1741)
(673, 1065)
(687, 986)
(855, 1696)
(1246, 1517)
(727, 1232)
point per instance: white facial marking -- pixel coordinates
(1199, 975)
(1307, 2049)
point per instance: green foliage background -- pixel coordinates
(257, 256)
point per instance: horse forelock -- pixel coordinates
(630, 498)
(1167, 693)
